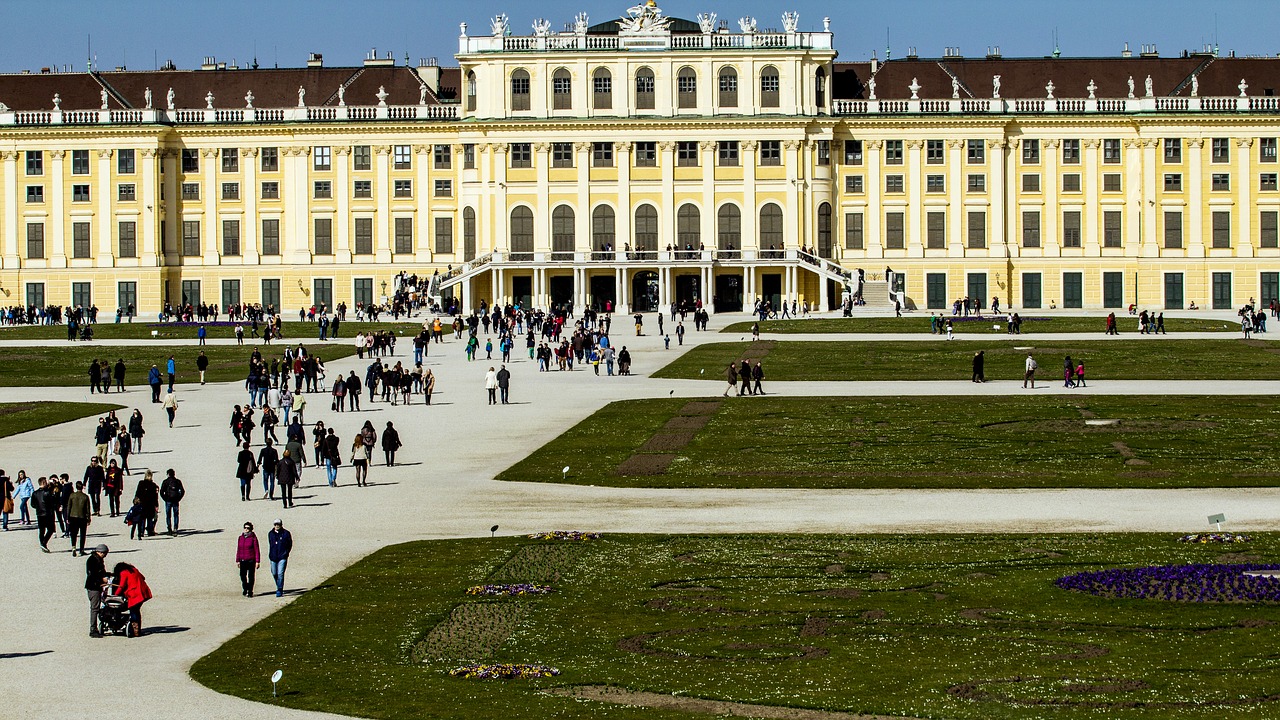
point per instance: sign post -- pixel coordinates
(1217, 520)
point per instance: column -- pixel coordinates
(915, 248)
(995, 212)
(622, 214)
(1151, 229)
(382, 196)
(1133, 206)
(172, 208)
(297, 238)
(792, 157)
(823, 300)
(1090, 176)
(249, 227)
(873, 240)
(1194, 226)
(499, 287)
(151, 207)
(342, 197)
(667, 210)
(423, 236)
(484, 218)
(55, 231)
(496, 198)
(582, 215)
(707, 228)
(955, 201)
(212, 232)
(541, 206)
(1244, 202)
(11, 208)
(749, 211)
(106, 257)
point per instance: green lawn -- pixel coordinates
(27, 416)
(69, 365)
(107, 329)
(1031, 324)
(1139, 359)
(958, 627)
(911, 442)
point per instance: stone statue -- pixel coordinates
(914, 87)
(1195, 86)
(1130, 87)
(342, 96)
(581, 22)
(826, 24)
(382, 96)
(747, 24)
(1244, 87)
(644, 19)
(1093, 89)
(302, 96)
(791, 21)
(422, 94)
(169, 98)
(462, 29)
(707, 21)
(146, 97)
(995, 87)
(1048, 89)
(499, 25)
(208, 101)
(955, 88)
(57, 102)
(871, 85)
(1150, 87)
(248, 100)
(3, 107)
(103, 94)
(541, 27)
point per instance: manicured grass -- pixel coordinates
(107, 329)
(1031, 324)
(910, 442)
(27, 416)
(960, 627)
(69, 365)
(1139, 359)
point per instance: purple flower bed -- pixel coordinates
(509, 590)
(1206, 538)
(989, 317)
(196, 324)
(1179, 583)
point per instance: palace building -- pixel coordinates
(646, 161)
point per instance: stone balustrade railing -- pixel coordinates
(223, 116)
(573, 42)
(1043, 106)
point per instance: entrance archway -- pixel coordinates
(644, 291)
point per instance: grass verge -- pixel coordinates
(27, 416)
(141, 330)
(1031, 325)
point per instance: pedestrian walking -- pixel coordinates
(248, 558)
(757, 375)
(360, 460)
(287, 476)
(246, 468)
(268, 459)
(136, 431)
(1029, 372)
(504, 383)
(279, 545)
(78, 518)
(132, 586)
(95, 583)
(171, 405)
(45, 505)
(172, 368)
(147, 494)
(731, 374)
(491, 384)
(390, 443)
(979, 361)
(172, 492)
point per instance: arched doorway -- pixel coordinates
(644, 291)
(824, 231)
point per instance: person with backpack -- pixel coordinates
(172, 492)
(1029, 374)
(246, 468)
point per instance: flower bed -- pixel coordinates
(503, 671)
(1179, 583)
(565, 535)
(509, 590)
(1206, 538)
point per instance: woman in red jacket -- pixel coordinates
(248, 558)
(113, 486)
(132, 586)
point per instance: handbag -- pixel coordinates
(8, 505)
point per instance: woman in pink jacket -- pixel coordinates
(248, 558)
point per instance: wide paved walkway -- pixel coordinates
(51, 669)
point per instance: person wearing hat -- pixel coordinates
(279, 545)
(96, 579)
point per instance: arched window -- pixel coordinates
(645, 89)
(770, 227)
(522, 231)
(729, 88)
(602, 228)
(562, 238)
(824, 231)
(520, 90)
(687, 88)
(602, 89)
(468, 234)
(688, 227)
(729, 228)
(820, 87)
(471, 92)
(646, 228)
(562, 90)
(770, 87)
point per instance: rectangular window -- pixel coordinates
(1173, 182)
(770, 152)
(1270, 290)
(191, 238)
(323, 189)
(853, 231)
(363, 292)
(1222, 229)
(1112, 235)
(935, 183)
(269, 159)
(602, 154)
(1071, 152)
(893, 183)
(363, 189)
(977, 183)
(35, 294)
(1220, 182)
(444, 188)
(80, 193)
(79, 162)
(35, 163)
(271, 190)
(128, 242)
(403, 235)
(126, 192)
(402, 188)
(127, 297)
(1071, 229)
(1072, 290)
(1111, 182)
(976, 283)
(1031, 291)
(230, 160)
(81, 294)
(1222, 299)
(35, 193)
(322, 157)
(361, 157)
(1267, 181)
(444, 235)
(271, 294)
(1071, 182)
(190, 161)
(1031, 228)
(469, 156)
(824, 153)
(1030, 152)
(727, 153)
(364, 236)
(646, 154)
(1173, 229)
(1267, 150)
(1220, 150)
(35, 241)
(853, 184)
(231, 191)
(935, 152)
(402, 157)
(1267, 234)
(936, 230)
(271, 237)
(126, 162)
(1173, 291)
(442, 156)
(976, 152)
(190, 191)
(562, 155)
(687, 153)
(1173, 150)
(230, 238)
(977, 230)
(892, 152)
(935, 290)
(852, 152)
(1030, 183)
(1111, 151)
(893, 231)
(521, 155)
(323, 236)
(322, 292)
(729, 89)
(80, 240)
(230, 293)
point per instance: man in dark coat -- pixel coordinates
(148, 496)
(390, 443)
(744, 376)
(287, 475)
(504, 383)
(45, 504)
(246, 468)
(96, 577)
(353, 390)
(94, 477)
(979, 359)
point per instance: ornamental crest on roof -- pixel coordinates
(644, 19)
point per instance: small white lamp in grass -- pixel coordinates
(564, 472)
(275, 678)
(493, 531)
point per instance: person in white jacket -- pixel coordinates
(491, 384)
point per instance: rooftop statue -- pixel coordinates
(995, 87)
(169, 98)
(146, 96)
(747, 24)
(581, 22)
(644, 19)
(790, 21)
(248, 100)
(707, 21)
(1150, 87)
(499, 25)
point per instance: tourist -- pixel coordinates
(172, 368)
(78, 512)
(979, 360)
(246, 468)
(153, 379)
(94, 478)
(113, 487)
(248, 558)
(390, 443)
(22, 492)
(1080, 373)
(287, 476)
(268, 458)
(731, 374)
(95, 582)
(279, 545)
(1068, 373)
(171, 405)
(491, 384)
(6, 500)
(757, 375)
(504, 383)
(360, 459)
(332, 456)
(148, 495)
(172, 492)
(1029, 374)
(624, 361)
(45, 504)
(118, 373)
(132, 586)
(136, 431)
(202, 364)
(123, 445)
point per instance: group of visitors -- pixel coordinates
(746, 374)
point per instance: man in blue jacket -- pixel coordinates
(279, 545)
(173, 371)
(153, 379)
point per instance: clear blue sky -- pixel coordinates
(135, 32)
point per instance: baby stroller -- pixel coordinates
(113, 614)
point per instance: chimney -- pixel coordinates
(315, 60)
(1149, 51)
(210, 63)
(911, 54)
(1126, 53)
(993, 53)
(875, 64)
(429, 72)
(372, 59)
